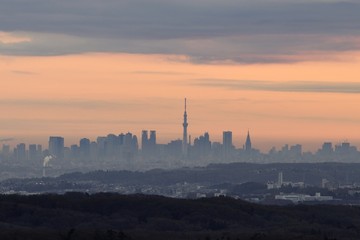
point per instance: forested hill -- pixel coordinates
(113, 216)
(310, 173)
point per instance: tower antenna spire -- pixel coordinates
(185, 134)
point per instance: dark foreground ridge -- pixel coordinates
(114, 216)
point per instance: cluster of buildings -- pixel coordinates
(296, 198)
(124, 149)
(342, 152)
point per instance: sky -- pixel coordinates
(287, 71)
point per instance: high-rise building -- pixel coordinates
(152, 144)
(20, 152)
(152, 139)
(144, 141)
(134, 144)
(327, 148)
(111, 145)
(56, 147)
(343, 148)
(33, 152)
(94, 152)
(121, 138)
(84, 148)
(174, 148)
(185, 135)
(5, 150)
(248, 143)
(227, 139)
(202, 146)
(128, 141)
(148, 144)
(101, 145)
(296, 150)
(227, 145)
(75, 152)
(130, 147)
(39, 149)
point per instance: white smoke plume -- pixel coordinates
(47, 160)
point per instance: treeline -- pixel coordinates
(234, 173)
(113, 216)
(310, 173)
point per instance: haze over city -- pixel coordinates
(286, 71)
(179, 119)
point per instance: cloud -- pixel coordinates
(205, 30)
(162, 73)
(7, 38)
(7, 139)
(20, 72)
(73, 104)
(290, 86)
(98, 105)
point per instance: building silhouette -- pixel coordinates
(152, 139)
(227, 145)
(174, 148)
(56, 147)
(84, 149)
(144, 141)
(202, 146)
(185, 134)
(248, 143)
(33, 152)
(148, 144)
(20, 152)
(5, 151)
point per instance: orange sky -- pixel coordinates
(89, 95)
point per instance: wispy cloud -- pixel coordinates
(290, 86)
(7, 139)
(162, 73)
(20, 72)
(71, 103)
(133, 104)
(8, 38)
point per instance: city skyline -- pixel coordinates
(240, 139)
(125, 150)
(286, 71)
(245, 143)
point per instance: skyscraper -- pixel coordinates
(248, 143)
(202, 146)
(152, 139)
(84, 148)
(152, 143)
(185, 136)
(227, 139)
(144, 141)
(149, 147)
(5, 150)
(21, 152)
(56, 147)
(33, 153)
(227, 145)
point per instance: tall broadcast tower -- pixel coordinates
(185, 135)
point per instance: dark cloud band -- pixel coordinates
(227, 30)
